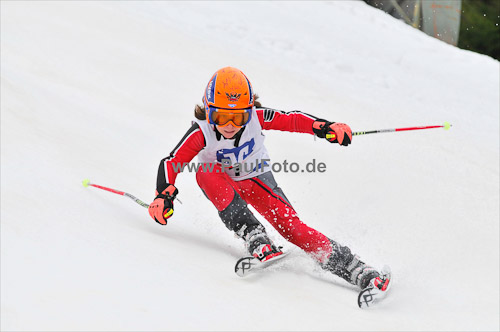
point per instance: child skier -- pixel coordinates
(228, 130)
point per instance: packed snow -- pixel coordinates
(105, 90)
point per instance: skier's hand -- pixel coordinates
(339, 133)
(333, 132)
(162, 207)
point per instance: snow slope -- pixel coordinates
(106, 89)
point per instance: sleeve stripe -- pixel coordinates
(165, 167)
(172, 154)
(305, 114)
(269, 113)
(194, 128)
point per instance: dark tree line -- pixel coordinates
(479, 22)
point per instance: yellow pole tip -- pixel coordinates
(447, 126)
(86, 183)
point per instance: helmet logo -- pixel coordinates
(233, 96)
(210, 92)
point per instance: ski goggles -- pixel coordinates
(222, 116)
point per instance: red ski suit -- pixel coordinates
(220, 188)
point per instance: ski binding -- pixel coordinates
(249, 264)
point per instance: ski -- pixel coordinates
(377, 290)
(249, 264)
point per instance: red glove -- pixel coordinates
(333, 132)
(162, 207)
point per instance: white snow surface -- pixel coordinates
(105, 90)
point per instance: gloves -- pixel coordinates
(162, 207)
(333, 132)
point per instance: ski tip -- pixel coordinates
(244, 265)
(447, 125)
(86, 183)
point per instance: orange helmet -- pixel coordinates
(228, 98)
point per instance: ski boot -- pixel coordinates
(373, 284)
(376, 290)
(349, 267)
(261, 247)
(263, 253)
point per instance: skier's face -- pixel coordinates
(228, 131)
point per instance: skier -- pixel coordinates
(228, 130)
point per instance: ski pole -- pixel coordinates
(446, 126)
(87, 183)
